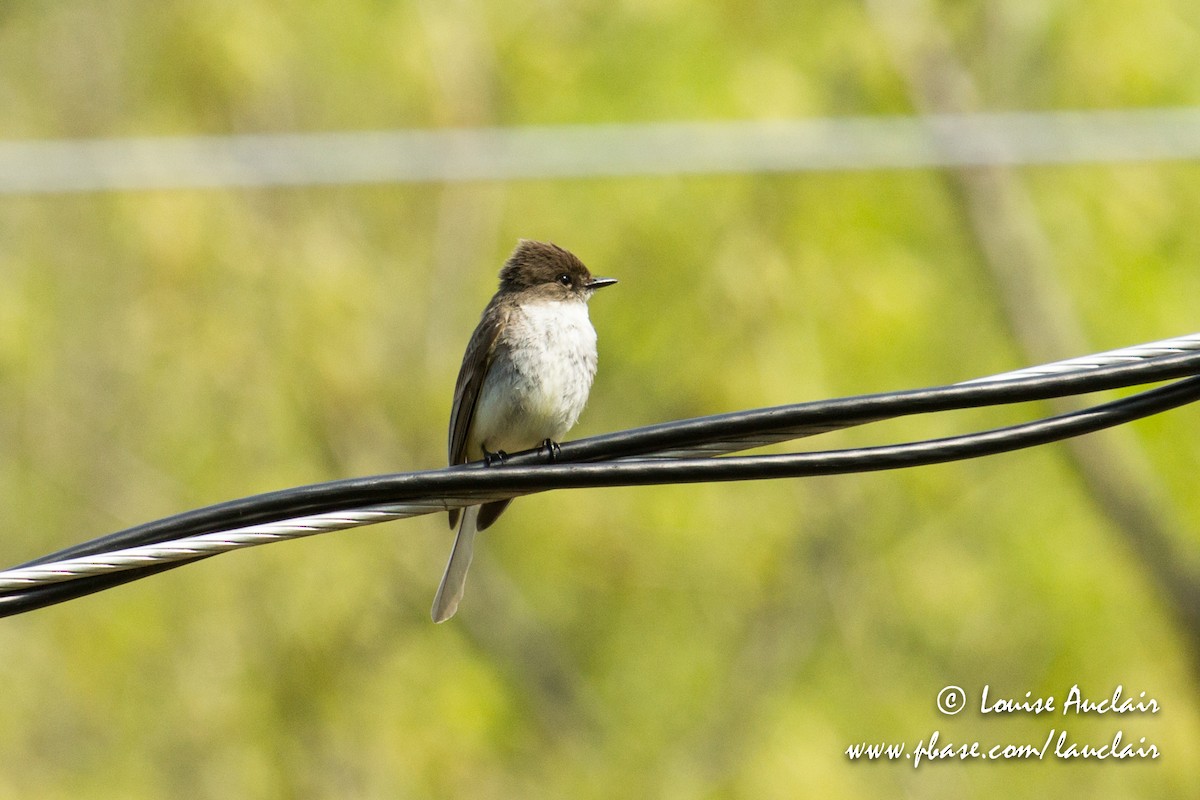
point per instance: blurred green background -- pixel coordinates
(164, 350)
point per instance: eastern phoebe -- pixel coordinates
(524, 380)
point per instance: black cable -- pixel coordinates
(818, 416)
(521, 474)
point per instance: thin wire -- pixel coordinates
(576, 151)
(642, 456)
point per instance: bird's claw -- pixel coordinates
(550, 449)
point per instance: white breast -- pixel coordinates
(539, 383)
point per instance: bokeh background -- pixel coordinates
(163, 350)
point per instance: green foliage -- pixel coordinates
(165, 350)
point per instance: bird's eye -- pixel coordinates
(564, 279)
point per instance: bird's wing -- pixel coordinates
(480, 353)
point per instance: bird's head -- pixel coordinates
(548, 271)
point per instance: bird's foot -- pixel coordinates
(550, 450)
(494, 459)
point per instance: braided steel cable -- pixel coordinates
(675, 452)
(1126, 355)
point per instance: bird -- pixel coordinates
(524, 381)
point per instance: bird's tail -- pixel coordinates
(455, 577)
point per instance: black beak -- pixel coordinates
(600, 283)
